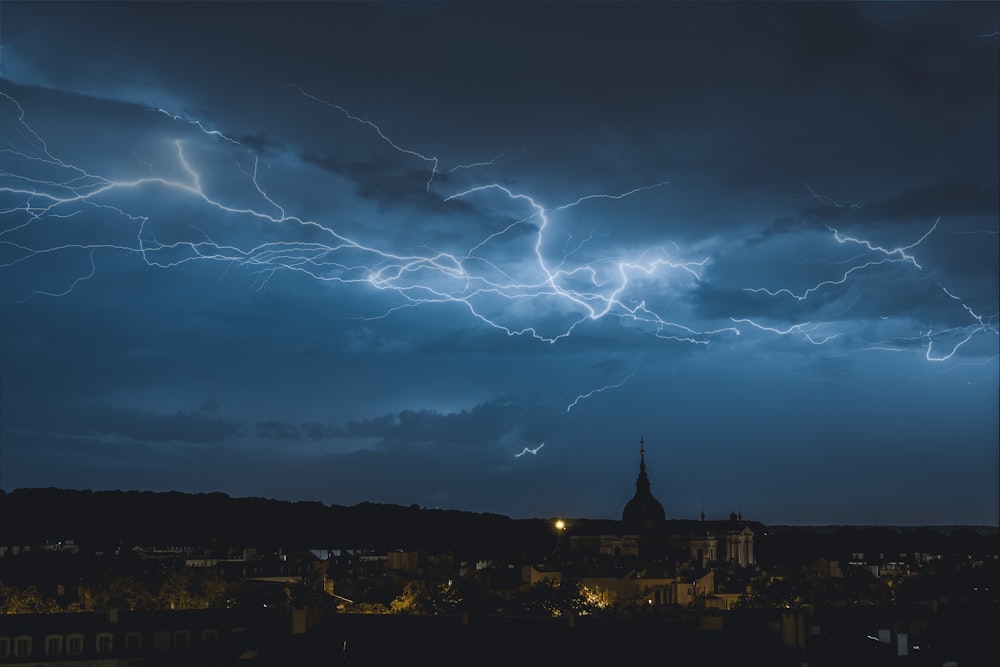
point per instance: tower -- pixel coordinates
(643, 510)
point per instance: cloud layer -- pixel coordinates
(466, 255)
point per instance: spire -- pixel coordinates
(642, 482)
(643, 507)
(642, 457)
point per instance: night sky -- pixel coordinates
(466, 255)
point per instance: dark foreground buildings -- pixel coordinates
(284, 639)
(290, 637)
(674, 592)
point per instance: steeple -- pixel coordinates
(643, 508)
(642, 482)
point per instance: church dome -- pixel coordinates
(643, 508)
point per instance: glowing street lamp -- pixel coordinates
(560, 527)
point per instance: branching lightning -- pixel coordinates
(891, 255)
(433, 161)
(538, 292)
(200, 126)
(981, 326)
(490, 291)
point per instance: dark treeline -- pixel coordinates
(103, 520)
(107, 520)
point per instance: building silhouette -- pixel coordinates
(643, 510)
(645, 535)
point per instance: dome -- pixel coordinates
(643, 507)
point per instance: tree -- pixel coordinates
(368, 608)
(124, 592)
(179, 591)
(308, 591)
(186, 588)
(546, 598)
(24, 601)
(413, 600)
(593, 599)
(216, 591)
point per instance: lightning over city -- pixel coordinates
(379, 251)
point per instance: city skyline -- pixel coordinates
(466, 255)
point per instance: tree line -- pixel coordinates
(105, 520)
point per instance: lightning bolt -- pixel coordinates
(200, 126)
(93, 270)
(899, 254)
(497, 159)
(826, 200)
(981, 326)
(528, 450)
(45, 195)
(597, 391)
(900, 251)
(433, 161)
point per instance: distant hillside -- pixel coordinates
(108, 519)
(105, 520)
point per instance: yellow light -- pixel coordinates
(560, 524)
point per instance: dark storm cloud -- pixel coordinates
(261, 143)
(878, 293)
(149, 426)
(89, 451)
(610, 366)
(717, 302)
(948, 200)
(277, 430)
(782, 225)
(483, 425)
(390, 184)
(185, 329)
(317, 431)
(912, 50)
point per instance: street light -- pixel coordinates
(560, 527)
